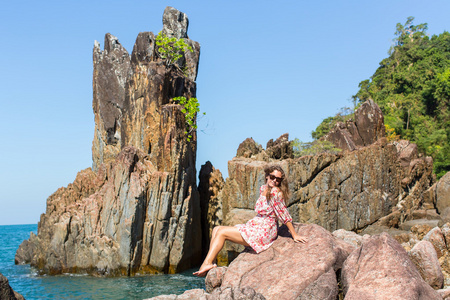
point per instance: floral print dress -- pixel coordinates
(261, 231)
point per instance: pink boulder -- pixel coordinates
(381, 269)
(424, 256)
(436, 237)
(289, 270)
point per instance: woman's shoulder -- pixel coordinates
(275, 190)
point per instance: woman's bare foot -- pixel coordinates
(204, 268)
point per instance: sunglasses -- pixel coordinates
(273, 177)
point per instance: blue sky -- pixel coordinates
(266, 68)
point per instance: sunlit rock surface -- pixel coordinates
(134, 211)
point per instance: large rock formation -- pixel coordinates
(134, 211)
(351, 190)
(367, 128)
(341, 265)
(289, 270)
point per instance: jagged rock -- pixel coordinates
(341, 137)
(381, 269)
(424, 256)
(123, 228)
(289, 270)
(135, 213)
(443, 192)
(369, 121)
(248, 148)
(436, 238)
(127, 90)
(349, 191)
(175, 23)
(361, 190)
(367, 128)
(6, 292)
(111, 70)
(280, 148)
(144, 48)
(407, 152)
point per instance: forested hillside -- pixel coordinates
(412, 88)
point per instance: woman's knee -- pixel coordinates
(215, 229)
(225, 231)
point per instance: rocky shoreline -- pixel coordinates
(330, 266)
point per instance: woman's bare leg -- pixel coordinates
(219, 235)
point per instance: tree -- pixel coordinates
(412, 88)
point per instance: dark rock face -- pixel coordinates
(280, 148)
(175, 23)
(248, 148)
(381, 269)
(128, 90)
(6, 292)
(111, 70)
(366, 129)
(210, 184)
(135, 212)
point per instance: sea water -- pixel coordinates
(26, 281)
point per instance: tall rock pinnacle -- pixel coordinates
(137, 210)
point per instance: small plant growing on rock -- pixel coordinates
(190, 109)
(171, 49)
(313, 148)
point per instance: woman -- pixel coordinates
(261, 231)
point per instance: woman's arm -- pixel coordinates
(295, 236)
(283, 215)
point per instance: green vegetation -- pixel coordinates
(190, 109)
(171, 49)
(412, 88)
(313, 148)
(345, 114)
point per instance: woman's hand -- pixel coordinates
(298, 238)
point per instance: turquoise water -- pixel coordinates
(25, 280)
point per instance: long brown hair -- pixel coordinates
(284, 185)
